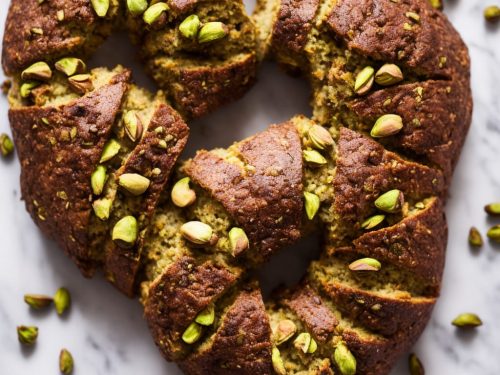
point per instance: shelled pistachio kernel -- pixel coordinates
(365, 264)
(492, 13)
(37, 301)
(207, 316)
(192, 333)
(182, 195)
(364, 80)
(344, 359)
(314, 158)
(391, 201)
(190, 26)
(238, 241)
(492, 209)
(467, 320)
(70, 66)
(278, 364)
(6, 145)
(110, 150)
(305, 343)
(65, 362)
(436, 4)
(389, 74)
(154, 12)
(137, 7)
(62, 300)
(320, 137)
(26, 87)
(475, 238)
(134, 183)
(212, 31)
(133, 125)
(386, 126)
(27, 335)
(102, 208)
(284, 331)
(98, 179)
(39, 71)
(198, 233)
(101, 7)
(312, 203)
(125, 232)
(372, 222)
(494, 233)
(415, 366)
(60, 15)
(81, 83)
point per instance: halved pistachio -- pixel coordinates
(37, 301)
(475, 238)
(365, 264)
(207, 316)
(198, 233)
(238, 241)
(137, 7)
(102, 208)
(391, 201)
(26, 87)
(278, 364)
(344, 359)
(212, 31)
(415, 365)
(6, 145)
(314, 158)
(386, 126)
(373, 222)
(154, 12)
(125, 232)
(101, 7)
(492, 13)
(98, 179)
(27, 335)
(110, 150)
(134, 183)
(305, 343)
(81, 83)
(133, 125)
(364, 80)
(467, 320)
(192, 333)
(494, 233)
(190, 26)
(320, 137)
(492, 209)
(284, 331)
(389, 74)
(312, 203)
(182, 195)
(62, 300)
(65, 362)
(39, 71)
(70, 66)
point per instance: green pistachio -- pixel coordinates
(190, 26)
(137, 7)
(492, 13)
(39, 71)
(305, 343)
(415, 365)
(26, 87)
(102, 208)
(238, 241)
(110, 150)
(65, 362)
(133, 125)
(390, 202)
(320, 137)
(192, 333)
(198, 233)
(364, 80)
(284, 331)
(467, 320)
(278, 364)
(125, 232)
(373, 222)
(312, 203)
(81, 83)
(71, 66)
(314, 158)
(37, 301)
(6, 145)
(206, 317)
(494, 233)
(212, 31)
(101, 7)
(62, 300)
(493, 209)
(344, 359)
(388, 75)
(27, 335)
(154, 12)
(436, 4)
(475, 238)
(365, 264)
(98, 179)
(134, 183)
(182, 195)
(386, 126)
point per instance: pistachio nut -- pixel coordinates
(62, 300)
(81, 83)
(475, 238)
(110, 150)
(154, 12)
(6, 145)
(467, 320)
(314, 158)
(102, 208)
(212, 31)
(415, 365)
(344, 359)
(364, 80)
(134, 183)
(494, 233)
(137, 7)
(101, 7)
(372, 222)
(386, 126)
(26, 87)
(70, 66)
(436, 4)
(492, 209)
(65, 362)
(192, 333)
(388, 75)
(391, 201)
(206, 317)
(39, 71)
(182, 195)
(365, 264)
(238, 241)
(198, 233)
(190, 26)
(60, 15)
(27, 335)
(284, 331)
(492, 13)
(278, 364)
(125, 232)
(320, 137)
(133, 125)
(305, 343)
(98, 179)
(312, 203)
(37, 301)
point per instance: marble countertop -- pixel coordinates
(106, 332)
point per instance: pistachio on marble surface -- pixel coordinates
(493, 209)
(66, 362)
(492, 13)
(37, 301)
(6, 145)
(62, 300)
(475, 237)
(415, 365)
(467, 320)
(27, 335)
(494, 233)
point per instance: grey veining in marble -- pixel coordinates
(106, 332)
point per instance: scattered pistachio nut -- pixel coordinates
(192, 333)
(137, 7)
(27, 335)
(65, 362)
(182, 195)
(364, 80)
(305, 343)
(314, 158)
(492, 209)
(344, 359)
(492, 13)
(134, 183)
(436, 4)
(125, 232)
(37, 301)
(475, 238)
(133, 125)
(60, 15)
(278, 364)
(207, 316)
(415, 365)
(81, 83)
(467, 320)
(312, 203)
(238, 241)
(373, 222)
(494, 233)
(6, 145)
(102, 208)
(154, 12)
(26, 87)
(284, 331)
(98, 179)
(190, 26)
(391, 201)
(198, 233)
(62, 300)
(386, 126)
(101, 7)
(320, 137)
(110, 150)
(365, 264)
(388, 75)
(70, 66)
(212, 31)
(39, 71)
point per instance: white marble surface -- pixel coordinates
(106, 332)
